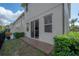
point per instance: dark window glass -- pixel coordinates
(48, 19)
(48, 28)
(36, 24)
(32, 29)
(27, 27)
(36, 28)
(36, 34)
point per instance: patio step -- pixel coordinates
(45, 47)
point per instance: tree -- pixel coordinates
(25, 5)
(2, 28)
(73, 26)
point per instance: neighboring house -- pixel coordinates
(45, 20)
(10, 26)
(17, 26)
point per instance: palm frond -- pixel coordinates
(24, 4)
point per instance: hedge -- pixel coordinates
(67, 44)
(18, 34)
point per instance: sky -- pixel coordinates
(75, 11)
(9, 12)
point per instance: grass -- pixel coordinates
(18, 47)
(10, 46)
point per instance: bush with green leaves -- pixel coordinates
(67, 44)
(18, 34)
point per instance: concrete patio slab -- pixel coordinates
(45, 47)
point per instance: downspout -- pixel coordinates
(21, 22)
(63, 25)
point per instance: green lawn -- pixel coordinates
(18, 47)
(10, 46)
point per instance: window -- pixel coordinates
(32, 29)
(48, 23)
(27, 27)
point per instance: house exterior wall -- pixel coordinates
(66, 17)
(60, 15)
(18, 25)
(38, 11)
(11, 27)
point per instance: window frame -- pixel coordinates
(27, 27)
(48, 23)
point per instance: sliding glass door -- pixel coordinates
(35, 29)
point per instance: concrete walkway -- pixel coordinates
(25, 47)
(18, 47)
(45, 47)
(28, 50)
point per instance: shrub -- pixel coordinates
(67, 44)
(18, 34)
